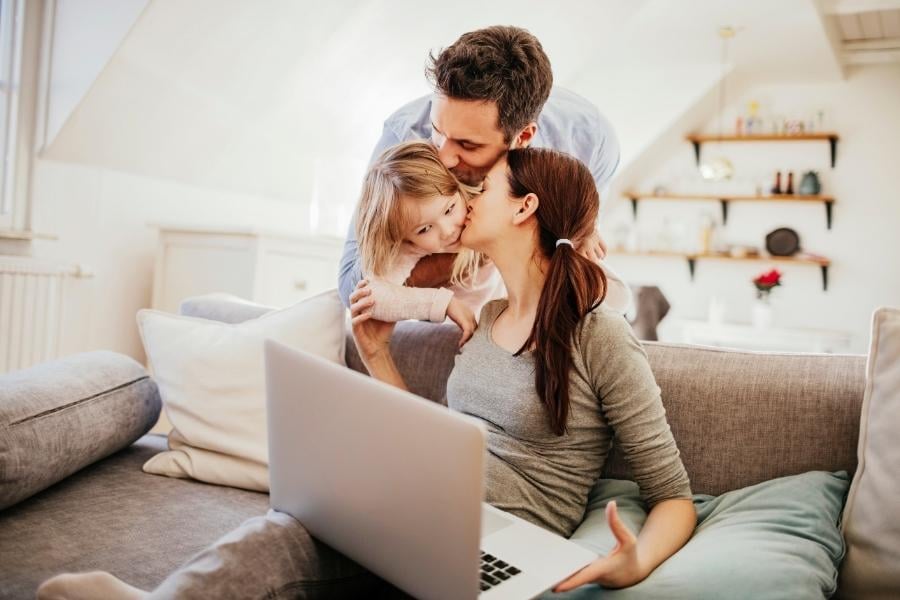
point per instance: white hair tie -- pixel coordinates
(564, 241)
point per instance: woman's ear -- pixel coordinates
(527, 207)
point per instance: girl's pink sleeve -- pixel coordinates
(396, 302)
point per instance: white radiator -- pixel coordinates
(32, 301)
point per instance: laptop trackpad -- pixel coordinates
(491, 522)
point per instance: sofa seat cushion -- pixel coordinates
(55, 421)
(112, 516)
(776, 539)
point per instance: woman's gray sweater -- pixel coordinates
(544, 478)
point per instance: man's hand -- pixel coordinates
(372, 337)
(620, 568)
(593, 248)
(463, 316)
(432, 271)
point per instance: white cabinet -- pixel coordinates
(264, 267)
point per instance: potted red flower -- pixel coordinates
(762, 310)
(765, 282)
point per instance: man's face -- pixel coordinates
(468, 136)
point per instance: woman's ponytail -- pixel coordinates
(567, 210)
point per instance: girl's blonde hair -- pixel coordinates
(412, 170)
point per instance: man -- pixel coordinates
(493, 91)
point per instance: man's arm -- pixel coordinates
(605, 157)
(350, 270)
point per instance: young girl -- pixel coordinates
(412, 206)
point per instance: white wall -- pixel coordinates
(85, 35)
(101, 217)
(864, 244)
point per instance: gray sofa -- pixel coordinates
(739, 418)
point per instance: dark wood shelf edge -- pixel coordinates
(832, 138)
(828, 201)
(691, 259)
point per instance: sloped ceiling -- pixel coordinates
(864, 31)
(255, 97)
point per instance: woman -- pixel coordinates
(553, 375)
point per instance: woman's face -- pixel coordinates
(490, 212)
(436, 223)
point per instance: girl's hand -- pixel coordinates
(372, 337)
(620, 568)
(463, 316)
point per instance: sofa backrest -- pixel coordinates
(739, 418)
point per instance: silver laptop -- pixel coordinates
(396, 483)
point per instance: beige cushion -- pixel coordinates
(211, 378)
(871, 523)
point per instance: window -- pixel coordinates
(11, 20)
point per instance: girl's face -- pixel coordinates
(490, 212)
(437, 223)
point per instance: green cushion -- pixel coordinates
(776, 539)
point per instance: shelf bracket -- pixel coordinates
(696, 144)
(724, 211)
(824, 278)
(692, 264)
(634, 203)
(828, 206)
(832, 142)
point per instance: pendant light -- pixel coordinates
(720, 168)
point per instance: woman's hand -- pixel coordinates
(372, 337)
(463, 316)
(620, 568)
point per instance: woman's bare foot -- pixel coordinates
(87, 586)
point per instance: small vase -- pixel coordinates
(762, 313)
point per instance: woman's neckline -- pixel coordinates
(490, 332)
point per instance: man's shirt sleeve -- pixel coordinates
(605, 159)
(350, 271)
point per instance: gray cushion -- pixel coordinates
(55, 420)
(112, 516)
(741, 418)
(424, 353)
(776, 539)
(222, 307)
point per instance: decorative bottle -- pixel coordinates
(776, 189)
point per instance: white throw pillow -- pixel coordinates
(871, 568)
(211, 378)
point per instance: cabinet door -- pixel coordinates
(288, 277)
(189, 267)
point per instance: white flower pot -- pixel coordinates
(762, 314)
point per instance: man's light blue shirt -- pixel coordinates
(568, 123)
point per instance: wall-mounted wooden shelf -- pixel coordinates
(723, 199)
(698, 140)
(692, 258)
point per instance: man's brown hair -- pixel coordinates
(503, 64)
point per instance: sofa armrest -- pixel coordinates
(61, 416)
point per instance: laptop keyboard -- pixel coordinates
(494, 571)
